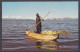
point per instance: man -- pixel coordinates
(38, 19)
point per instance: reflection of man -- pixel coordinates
(38, 44)
(38, 19)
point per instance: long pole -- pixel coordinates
(40, 21)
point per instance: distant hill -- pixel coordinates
(15, 19)
(62, 19)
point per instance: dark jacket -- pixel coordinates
(38, 28)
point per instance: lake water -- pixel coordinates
(14, 36)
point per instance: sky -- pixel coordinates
(28, 10)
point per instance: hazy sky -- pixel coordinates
(28, 10)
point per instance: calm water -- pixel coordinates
(14, 37)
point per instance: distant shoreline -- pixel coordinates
(15, 19)
(62, 19)
(44, 19)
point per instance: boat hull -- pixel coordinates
(42, 37)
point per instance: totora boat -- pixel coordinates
(46, 35)
(41, 36)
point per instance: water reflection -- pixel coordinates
(50, 45)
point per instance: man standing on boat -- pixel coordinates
(38, 19)
(38, 28)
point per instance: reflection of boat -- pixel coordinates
(52, 45)
(40, 44)
(41, 36)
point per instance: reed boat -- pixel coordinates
(49, 35)
(41, 36)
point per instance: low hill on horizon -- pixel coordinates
(62, 19)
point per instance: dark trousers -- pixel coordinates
(38, 28)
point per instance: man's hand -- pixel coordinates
(41, 19)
